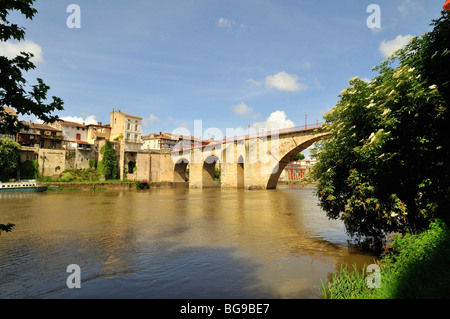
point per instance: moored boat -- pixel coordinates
(22, 187)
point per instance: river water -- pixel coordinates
(170, 243)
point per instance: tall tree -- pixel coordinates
(386, 165)
(13, 86)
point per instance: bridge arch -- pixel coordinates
(287, 153)
(180, 170)
(209, 170)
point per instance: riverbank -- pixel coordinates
(415, 266)
(109, 185)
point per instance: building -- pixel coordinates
(9, 111)
(170, 141)
(50, 137)
(30, 137)
(75, 135)
(296, 171)
(98, 132)
(126, 129)
(159, 141)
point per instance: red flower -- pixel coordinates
(446, 5)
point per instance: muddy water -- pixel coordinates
(170, 243)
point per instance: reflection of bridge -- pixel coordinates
(253, 161)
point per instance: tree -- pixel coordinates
(9, 158)
(299, 157)
(13, 86)
(386, 165)
(108, 165)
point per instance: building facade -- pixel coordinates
(126, 129)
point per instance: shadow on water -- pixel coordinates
(177, 273)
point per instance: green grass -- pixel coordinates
(416, 266)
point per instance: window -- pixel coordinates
(42, 144)
(52, 144)
(128, 136)
(136, 127)
(129, 125)
(78, 137)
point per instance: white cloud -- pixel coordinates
(225, 23)
(276, 120)
(229, 24)
(254, 82)
(151, 119)
(70, 65)
(388, 47)
(285, 82)
(11, 50)
(244, 110)
(87, 121)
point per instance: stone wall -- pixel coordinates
(155, 167)
(51, 162)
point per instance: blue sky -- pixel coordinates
(227, 63)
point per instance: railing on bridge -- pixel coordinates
(249, 136)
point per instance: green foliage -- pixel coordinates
(345, 284)
(108, 165)
(415, 266)
(217, 175)
(93, 163)
(299, 157)
(142, 185)
(67, 177)
(9, 158)
(29, 169)
(385, 167)
(12, 79)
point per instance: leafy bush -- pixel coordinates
(29, 170)
(385, 167)
(108, 165)
(67, 177)
(9, 158)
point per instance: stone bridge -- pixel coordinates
(253, 161)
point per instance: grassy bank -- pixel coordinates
(415, 266)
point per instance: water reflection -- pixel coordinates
(171, 243)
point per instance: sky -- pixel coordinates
(227, 63)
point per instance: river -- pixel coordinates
(170, 243)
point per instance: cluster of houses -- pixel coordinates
(69, 145)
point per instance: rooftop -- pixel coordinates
(128, 115)
(9, 111)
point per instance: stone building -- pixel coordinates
(126, 129)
